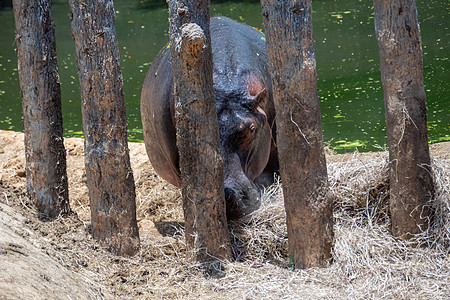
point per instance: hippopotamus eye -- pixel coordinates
(246, 137)
(242, 138)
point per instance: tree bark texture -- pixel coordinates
(290, 49)
(108, 171)
(198, 141)
(41, 103)
(411, 184)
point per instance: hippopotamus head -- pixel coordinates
(246, 142)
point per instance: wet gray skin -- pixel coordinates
(245, 114)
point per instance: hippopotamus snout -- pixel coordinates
(242, 196)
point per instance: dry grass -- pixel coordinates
(368, 263)
(438, 235)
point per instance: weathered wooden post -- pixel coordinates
(198, 142)
(41, 101)
(108, 171)
(290, 49)
(411, 183)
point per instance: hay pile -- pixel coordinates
(368, 263)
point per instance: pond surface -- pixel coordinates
(349, 83)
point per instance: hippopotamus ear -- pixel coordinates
(259, 98)
(256, 92)
(255, 89)
(255, 102)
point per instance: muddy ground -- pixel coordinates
(59, 259)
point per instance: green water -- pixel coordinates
(349, 84)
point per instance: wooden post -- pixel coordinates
(198, 142)
(108, 171)
(292, 63)
(411, 183)
(41, 101)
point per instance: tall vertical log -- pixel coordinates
(41, 102)
(108, 171)
(411, 184)
(290, 49)
(198, 141)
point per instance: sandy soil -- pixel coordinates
(59, 259)
(59, 248)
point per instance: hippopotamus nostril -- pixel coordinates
(233, 205)
(229, 195)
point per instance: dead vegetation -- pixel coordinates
(368, 263)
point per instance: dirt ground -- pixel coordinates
(60, 260)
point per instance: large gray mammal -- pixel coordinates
(245, 112)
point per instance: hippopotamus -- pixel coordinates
(245, 114)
